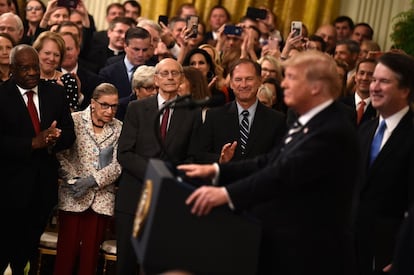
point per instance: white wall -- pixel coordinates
(378, 13)
(98, 9)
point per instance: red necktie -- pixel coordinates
(33, 112)
(360, 111)
(164, 123)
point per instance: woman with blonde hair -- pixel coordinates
(271, 67)
(51, 48)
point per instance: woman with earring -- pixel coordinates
(89, 170)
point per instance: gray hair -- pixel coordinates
(150, 23)
(104, 89)
(143, 76)
(19, 23)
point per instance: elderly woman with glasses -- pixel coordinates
(143, 86)
(143, 82)
(89, 170)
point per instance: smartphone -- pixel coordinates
(232, 29)
(255, 13)
(71, 4)
(296, 27)
(192, 24)
(163, 19)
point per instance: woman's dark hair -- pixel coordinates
(198, 83)
(8, 37)
(209, 61)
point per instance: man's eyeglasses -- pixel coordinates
(33, 8)
(165, 74)
(106, 106)
(149, 88)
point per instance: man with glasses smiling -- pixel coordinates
(138, 143)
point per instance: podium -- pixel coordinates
(166, 236)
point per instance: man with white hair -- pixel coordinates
(12, 24)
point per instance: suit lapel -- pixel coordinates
(256, 130)
(309, 129)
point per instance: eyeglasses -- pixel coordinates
(33, 8)
(106, 106)
(268, 70)
(165, 74)
(148, 88)
(7, 29)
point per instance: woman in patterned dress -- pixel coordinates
(89, 170)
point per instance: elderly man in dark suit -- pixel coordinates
(36, 123)
(139, 50)
(309, 223)
(223, 125)
(386, 190)
(138, 143)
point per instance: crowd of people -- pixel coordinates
(311, 133)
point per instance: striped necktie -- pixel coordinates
(244, 131)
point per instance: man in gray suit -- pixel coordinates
(138, 143)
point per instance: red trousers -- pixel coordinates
(80, 237)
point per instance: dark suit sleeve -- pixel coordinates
(61, 113)
(205, 140)
(131, 161)
(311, 167)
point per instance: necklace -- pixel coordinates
(53, 77)
(97, 126)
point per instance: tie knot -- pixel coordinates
(29, 94)
(382, 126)
(245, 113)
(296, 124)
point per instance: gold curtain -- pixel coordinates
(313, 13)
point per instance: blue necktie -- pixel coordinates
(376, 142)
(244, 131)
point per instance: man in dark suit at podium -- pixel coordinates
(310, 178)
(138, 143)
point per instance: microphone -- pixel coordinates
(190, 103)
